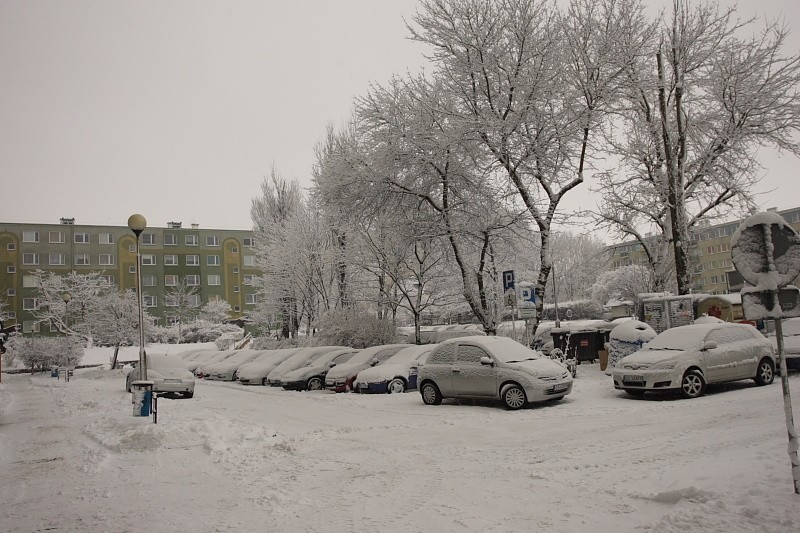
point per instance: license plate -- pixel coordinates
(633, 379)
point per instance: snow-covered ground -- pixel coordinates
(235, 458)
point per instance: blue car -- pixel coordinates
(397, 374)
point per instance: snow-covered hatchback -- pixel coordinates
(687, 358)
(491, 367)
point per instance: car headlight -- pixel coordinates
(664, 365)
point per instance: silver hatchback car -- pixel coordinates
(491, 367)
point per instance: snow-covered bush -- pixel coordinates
(625, 339)
(204, 331)
(581, 309)
(43, 352)
(162, 335)
(271, 343)
(355, 328)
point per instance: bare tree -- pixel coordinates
(183, 303)
(697, 106)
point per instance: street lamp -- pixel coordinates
(137, 223)
(67, 297)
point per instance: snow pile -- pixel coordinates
(626, 338)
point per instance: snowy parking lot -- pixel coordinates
(238, 458)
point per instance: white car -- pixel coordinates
(200, 369)
(226, 369)
(255, 372)
(491, 367)
(301, 358)
(168, 374)
(791, 343)
(687, 358)
(340, 379)
(397, 374)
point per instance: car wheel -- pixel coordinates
(765, 373)
(265, 382)
(692, 384)
(188, 394)
(314, 383)
(430, 394)
(514, 397)
(634, 392)
(396, 385)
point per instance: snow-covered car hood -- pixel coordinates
(347, 369)
(539, 366)
(649, 357)
(383, 372)
(250, 370)
(304, 372)
(169, 373)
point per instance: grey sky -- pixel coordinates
(178, 109)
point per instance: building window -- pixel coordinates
(170, 260)
(212, 260)
(11, 246)
(56, 237)
(30, 236)
(250, 299)
(81, 238)
(236, 308)
(192, 260)
(29, 304)
(11, 270)
(106, 238)
(191, 240)
(170, 300)
(29, 281)
(212, 240)
(235, 288)
(170, 280)
(108, 278)
(30, 259)
(132, 269)
(148, 259)
(193, 280)
(30, 326)
(249, 260)
(248, 279)
(170, 239)
(234, 249)
(213, 279)
(148, 281)
(193, 300)
(106, 259)
(11, 292)
(55, 259)
(248, 241)
(148, 239)
(235, 270)
(82, 260)
(149, 301)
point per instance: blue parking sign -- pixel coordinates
(508, 280)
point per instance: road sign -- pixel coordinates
(508, 280)
(766, 251)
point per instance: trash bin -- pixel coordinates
(142, 397)
(53, 371)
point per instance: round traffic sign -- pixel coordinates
(765, 250)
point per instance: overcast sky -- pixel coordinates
(178, 109)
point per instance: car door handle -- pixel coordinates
(456, 369)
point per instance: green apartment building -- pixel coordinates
(220, 263)
(710, 254)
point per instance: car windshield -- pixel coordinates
(677, 339)
(406, 355)
(510, 351)
(165, 361)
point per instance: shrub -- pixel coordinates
(355, 328)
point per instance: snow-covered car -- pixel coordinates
(200, 368)
(301, 358)
(340, 378)
(168, 374)
(255, 372)
(491, 367)
(397, 374)
(791, 343)
(202, 357)
(226, 369)
(312, 376)
(687, 358)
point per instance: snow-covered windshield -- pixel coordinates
(406, 355)
(508, 350)
(165, 361)
(678, 339)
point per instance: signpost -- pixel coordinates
(766, 252)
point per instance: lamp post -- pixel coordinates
(67, 297)
(137, 223)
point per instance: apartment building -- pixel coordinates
(220, 263)
(710, 254)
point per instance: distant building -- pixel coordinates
(710, 254)
(220, 263)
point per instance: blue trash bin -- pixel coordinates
(142, 397)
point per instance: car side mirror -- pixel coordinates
(487, 361)
(709, 345)
(414, 365)
(373, 362)
(331, 364)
